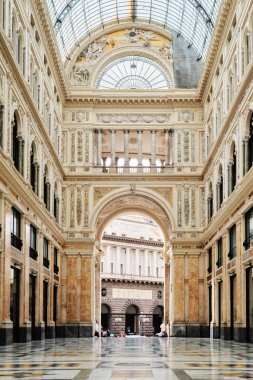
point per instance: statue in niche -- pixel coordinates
(81, 74)
(166, 50)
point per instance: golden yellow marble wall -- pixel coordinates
(72, 283)
(86, 288)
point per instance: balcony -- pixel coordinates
(132, 169)
(56, 269)
(46, 262)
(131, 277)
(33, 253)
(248, 243)
(16, 242)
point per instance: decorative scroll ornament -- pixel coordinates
(79, 206)
(186, 206)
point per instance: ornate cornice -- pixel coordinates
(214, 47)
(50, 42)
(177, 97)
(135, 241)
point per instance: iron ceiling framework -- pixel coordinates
(75, 19)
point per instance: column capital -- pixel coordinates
(112, 131)
(126, 131)
(139, 131)
(246, 138)
(153, 131)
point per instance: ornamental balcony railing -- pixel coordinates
(131, 277)
(46, 262)
(16, 242)
(33, 253)
(132, 169)
(248, 243)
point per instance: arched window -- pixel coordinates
(220, 189)
(247, 48)
(56, 204)
(46, 188)
(13, 32)
(17, 146)
(249, 146)
(19, 49)
(232, 171)
(1, 124)
(34, 170)
(210, 203)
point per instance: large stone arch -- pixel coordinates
(140, 200)
(135, 199)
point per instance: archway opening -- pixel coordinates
(132, 274)
(132, 320)
(106, 316)
(158, 319)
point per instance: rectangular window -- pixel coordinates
(111, 268)
(16, 229)
(56, 267)
(45, 253)
(139, 270)
(219, 258)
(248, 229)
(232, 242)
(33, 243)
(148, 271)
(157, 272)
(121, 268)
(102, 267)
(210, 264)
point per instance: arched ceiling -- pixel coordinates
(74, 20)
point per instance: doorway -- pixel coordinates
(45, 305)
(249, 305)
(157, 319)
(15, 301)
(106, 317)
(131, 324)
(32, 303)
(232, 305)
(219, 307)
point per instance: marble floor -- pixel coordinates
(128, 358)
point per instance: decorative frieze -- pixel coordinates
(179, 153)
(72, 156)
(186, 146)
(133, 119)
(179, 207)
(80, 146)
(86, 205)
(63, 214)
(72, 206)
(193, 207)
(87, 147)
(186, 206)
(79, 206)
(193, 146)
(203, 207)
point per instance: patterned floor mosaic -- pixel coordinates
(128, 358)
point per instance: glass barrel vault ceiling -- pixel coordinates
(75, 19)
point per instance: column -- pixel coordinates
(166, 134)
(1, 125)
(153, 147)
(246, 153)
(35, 178)
(48, 196)
(126, 147)
(171, 133)
(113, 138)
(139, 132)
(104, 163)
(99, 147)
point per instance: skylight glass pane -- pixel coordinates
(133, 73)
(75, 19)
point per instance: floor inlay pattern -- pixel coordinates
(127, 358)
